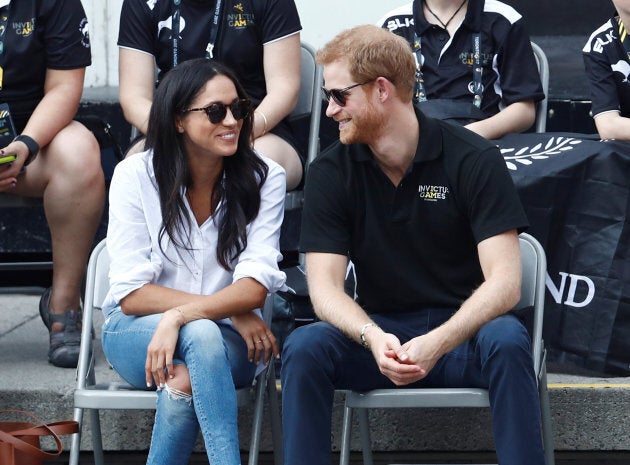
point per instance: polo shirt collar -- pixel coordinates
(429, 145)
(472, 20)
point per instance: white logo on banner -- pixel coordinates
(584, 283)
(526, 155)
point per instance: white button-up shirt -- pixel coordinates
(136, 259)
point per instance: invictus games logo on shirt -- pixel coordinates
(24, 28)
(85, 33)
(239, 18)
(432, 193)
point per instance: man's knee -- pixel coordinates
(306, 345)
(505, 336)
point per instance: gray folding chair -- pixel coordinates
(91, 396)
(532, 295)
(543, 70)
(309, 104)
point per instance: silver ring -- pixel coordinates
(259, 341)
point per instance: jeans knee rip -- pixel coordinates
(176, 394)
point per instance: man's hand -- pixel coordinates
(393, 360)
(423, 351)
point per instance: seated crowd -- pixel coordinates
(195, 210)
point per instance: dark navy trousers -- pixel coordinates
(318, 358)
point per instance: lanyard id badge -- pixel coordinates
(214, 31)
(4, 19)
(420, 94)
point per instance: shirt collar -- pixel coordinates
(472, 20)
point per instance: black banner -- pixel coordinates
(576, 192)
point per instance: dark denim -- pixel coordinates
(318, 358)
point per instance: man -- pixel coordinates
(448, 36)
(428, 214)
(45, 50)
(607, 61)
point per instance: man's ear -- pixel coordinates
(385, 88)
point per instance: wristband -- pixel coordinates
(33, 147)
(364, 328)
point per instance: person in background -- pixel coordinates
(475, 63)
(607, 61)
(428, 214)
(44, 50)
(193, 241)
(259, 40)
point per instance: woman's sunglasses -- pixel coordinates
(339, 95)
(216, 112)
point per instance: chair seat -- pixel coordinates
(421, 398)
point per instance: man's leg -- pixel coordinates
(499, 358)
(316, 360)
(68, 175)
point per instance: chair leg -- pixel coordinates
(274, 413)
(545, 411)
(97, 438)
(366, 443)
(75, 447)
(254, 445)
(346, 431)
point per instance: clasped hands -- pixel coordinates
(405, 363)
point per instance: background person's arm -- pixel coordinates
(136, 72)
(516, 117)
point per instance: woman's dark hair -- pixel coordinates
(238, 191)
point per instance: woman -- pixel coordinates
(193, 240)
(259, 40)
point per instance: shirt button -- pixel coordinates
(443, 37)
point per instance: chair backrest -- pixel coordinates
(309, 101)
(543, 70)
(534, 264)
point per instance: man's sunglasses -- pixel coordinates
(339, 95)
(216, 112)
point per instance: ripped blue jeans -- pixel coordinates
(216, 358)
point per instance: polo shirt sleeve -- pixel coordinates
(520, 79)
(492, 202)
(136, 29)
(66, 36)
(325, 219)
(601, 80)
(280, 19)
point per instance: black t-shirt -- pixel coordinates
(40, 35)
(246, 25)
(608, 69)
(413, 246)
(510, 73)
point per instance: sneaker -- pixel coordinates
(64, 344)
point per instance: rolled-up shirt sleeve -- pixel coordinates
(132, 261)
(260, 258)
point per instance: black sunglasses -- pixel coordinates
(339, 95)
(216, 112)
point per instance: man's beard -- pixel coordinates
(363, 129)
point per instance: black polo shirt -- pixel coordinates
(246, 25)
(509, 74)
(414, 246)
(608, 69)
(40, 35)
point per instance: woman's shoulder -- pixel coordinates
(136, 165)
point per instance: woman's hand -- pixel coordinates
(160, 352)
(258, 337)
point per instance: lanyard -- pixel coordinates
(623, 38)
(420, 94)
(214, 31)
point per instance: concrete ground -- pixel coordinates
(590, 415)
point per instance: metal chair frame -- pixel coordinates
(91, 396)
